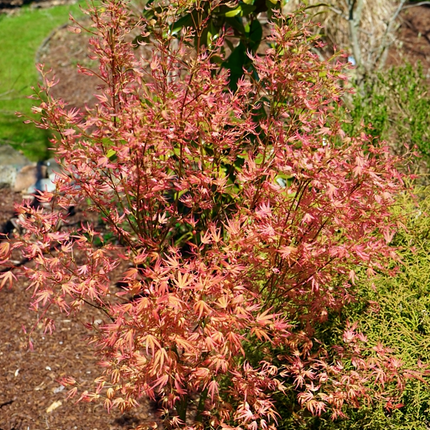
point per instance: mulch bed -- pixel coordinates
(413, 44)
(31, 398)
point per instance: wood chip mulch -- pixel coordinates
(31, 398)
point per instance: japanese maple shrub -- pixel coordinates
(241, 215)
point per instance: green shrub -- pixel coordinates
(395, 106)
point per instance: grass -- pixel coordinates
(21, 35)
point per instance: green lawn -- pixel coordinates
(21, 35)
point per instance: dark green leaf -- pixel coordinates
(255, 35)
(235, 64)
(236, 24)
(185, 21)
(241, 10)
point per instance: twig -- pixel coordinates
(353, 25)
(9, 402)
(382, 57)
(423, 3)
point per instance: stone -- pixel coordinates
(11, 157)
(53, 166)
(7, 176)
(43, 184)
(10, 3)
(46, 182)
(28, 176)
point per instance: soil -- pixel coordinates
(31, 397)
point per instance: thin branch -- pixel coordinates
(382, 57)
(359, 11)
(423, 3)
(353, 26)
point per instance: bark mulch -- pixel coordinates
(31, 398)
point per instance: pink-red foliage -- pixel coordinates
(244, 218)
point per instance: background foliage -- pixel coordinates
(395, 106)
(245, 208)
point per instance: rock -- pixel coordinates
(46, 181)
(11, 157)
(53, 166)
(28, 176)
(7, 176)
(10, 3)
(43, 184)
(18, 173)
